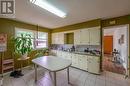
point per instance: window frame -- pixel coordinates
(35, 38)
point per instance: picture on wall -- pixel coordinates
(3, 42)
(121, 39)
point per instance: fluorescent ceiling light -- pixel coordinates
(49, 7)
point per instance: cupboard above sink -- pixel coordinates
(84, 36)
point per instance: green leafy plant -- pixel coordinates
(41, 52)
(23, 44)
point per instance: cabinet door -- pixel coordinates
(77, 37)
(94, 64)
(74, 60)
(54, 52)
(57, 38)
(84, 37)
(60, 38)
(59, 54)
(63, 55)
(94, 36)
(68, 56)
(83, 62)
(54, 38)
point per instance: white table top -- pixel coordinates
(52, 63)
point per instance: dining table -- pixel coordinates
(52, 64)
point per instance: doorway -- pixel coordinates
(115, 47)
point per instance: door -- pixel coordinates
(108, 44)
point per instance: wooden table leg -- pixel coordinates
(35, 66)
(54, 78)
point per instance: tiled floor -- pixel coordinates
(77, 78)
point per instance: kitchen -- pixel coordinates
(84, 48)
(64, 42)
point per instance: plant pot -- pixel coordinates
(24, 56)
(46, 54)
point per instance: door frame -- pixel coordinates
(128, 35)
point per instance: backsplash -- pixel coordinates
(78, 48)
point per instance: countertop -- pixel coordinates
(82, 53)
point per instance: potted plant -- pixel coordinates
(23, 45)
(45, 51)
(42, 52)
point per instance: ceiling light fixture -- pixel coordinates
(49, 7)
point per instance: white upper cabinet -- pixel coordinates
(77, 37)
(94, 36)
(84, 36)
(58, 38)
(54, 38)
(88, 36)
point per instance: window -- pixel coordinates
(39, 39)
(42, 40)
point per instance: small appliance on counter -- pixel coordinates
(86, 50)
(73, 48)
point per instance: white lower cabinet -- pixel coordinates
(69, 56)
(84, 62)
(59, 54)
(75, 60)
(93, 64)
(66, 55)
(63, 55)
(54, 52)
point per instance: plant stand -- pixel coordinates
(21, 62)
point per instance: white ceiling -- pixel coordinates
(77, 11)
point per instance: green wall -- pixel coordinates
(7, 26)
(118, 21)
